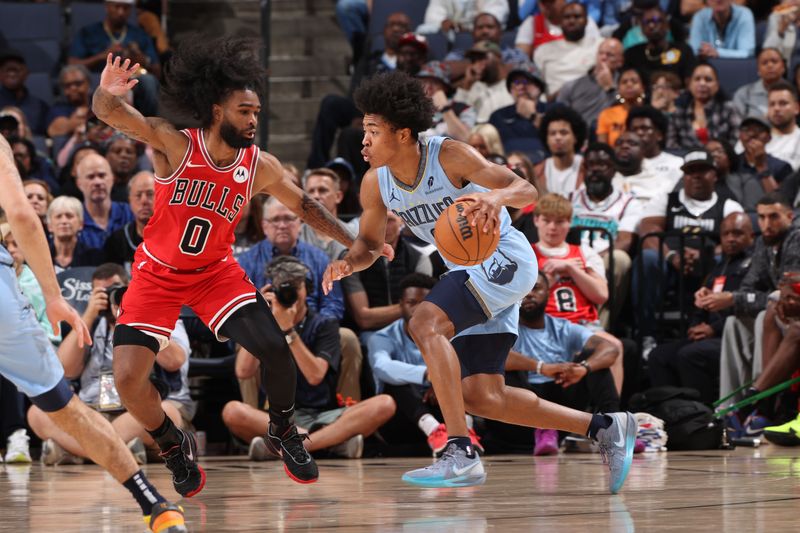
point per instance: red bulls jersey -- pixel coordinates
(197, 207)
(566, 299)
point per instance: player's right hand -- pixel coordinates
(116, 77)
(336, 270)
(57, 310)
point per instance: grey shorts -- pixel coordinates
(314, 419)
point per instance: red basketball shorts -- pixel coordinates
(154, 298)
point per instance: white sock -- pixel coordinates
(427, 423)
(468, 418)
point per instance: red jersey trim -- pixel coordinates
(228, 309)
(156, 259)
(186, 156)
(253, 170)
(201, 141)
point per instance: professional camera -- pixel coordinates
(286, 293)
(115, 292)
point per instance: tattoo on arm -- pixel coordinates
(321, 219)
(116, 113)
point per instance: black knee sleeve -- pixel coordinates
(126, 335)
(254, 327)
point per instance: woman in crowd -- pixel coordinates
(65, 221)
(702, 113)
(632, 92)
(39, 196)
(485, 139)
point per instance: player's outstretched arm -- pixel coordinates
(369, 245)
(27, 230)
(107, 103)
(506, 188)
(273, 179)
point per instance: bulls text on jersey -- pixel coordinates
(195, 192)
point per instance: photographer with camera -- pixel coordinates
(314, 342)
(92, 366)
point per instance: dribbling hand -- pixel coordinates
(482, 211)
(57, 310)
(336, 270)
(116, 77)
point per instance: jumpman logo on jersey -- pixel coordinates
(393, 197)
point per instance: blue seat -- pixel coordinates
(733, 73)
(28, 21)
(40, 84)
(381, 9)
(437, 46)
(40, 55)
(85, 13)
(463, 41)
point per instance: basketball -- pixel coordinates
(458, 241)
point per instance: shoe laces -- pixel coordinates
(292, 443)
(18, 439)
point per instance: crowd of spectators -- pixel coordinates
(664, 228)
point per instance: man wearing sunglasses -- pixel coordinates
(658, 54)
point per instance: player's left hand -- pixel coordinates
(57, 310)
(336, 270)
(482, 210)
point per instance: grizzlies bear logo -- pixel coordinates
(501, 270)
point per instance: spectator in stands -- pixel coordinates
(777, 251)
(13, 73)
(631, 93)
(453, 119)
(696, 205)
(373, 294)
(92, 44)
(599, 204)
(632, 176)
(545, 26)
(593, 92)
(93, 131)
(723, 29)
(658, 54)
(122, 244)
(65, 221)
(446, 16)
(314, 342)
(694, 362)
(349, 184)
(282, 228)
(92, 365)
(727, 162)
(782, 112)
(483, 87)
(353, 18)
(782, 30)
(249, 230)
(575, 273)
(563, 362)
(322, 184)
(651, 126)
(486, 139)
(665, 88)
(751, 99)
(13, 123)
(69, 170)
(122, 154)
(39, 196)
(101, 215)
(485, 27)
(397, 24)
(703, 112)
(68, 115)
(567, 59)
(758, 172)
(400, 371)
(31, 165)
(517, 124)
(564, 132)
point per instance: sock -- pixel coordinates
(167, 434)
(143, 492)
(427, 423)
(464, 443)
(469, 420)
(598, 422)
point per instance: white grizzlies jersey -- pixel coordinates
(499, 282)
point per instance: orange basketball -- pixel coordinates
(458, 241)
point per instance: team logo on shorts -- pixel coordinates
(240, 175)
(501, 270)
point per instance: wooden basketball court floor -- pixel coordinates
(751, 490)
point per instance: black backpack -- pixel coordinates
(689, 423)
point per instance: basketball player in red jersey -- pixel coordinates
(204, 177)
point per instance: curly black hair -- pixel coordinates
(645, 111)
(398, 98)
(204, 71)
(415, 279)
(567, 114)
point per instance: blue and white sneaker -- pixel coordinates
(616, 444)
(452, 469)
